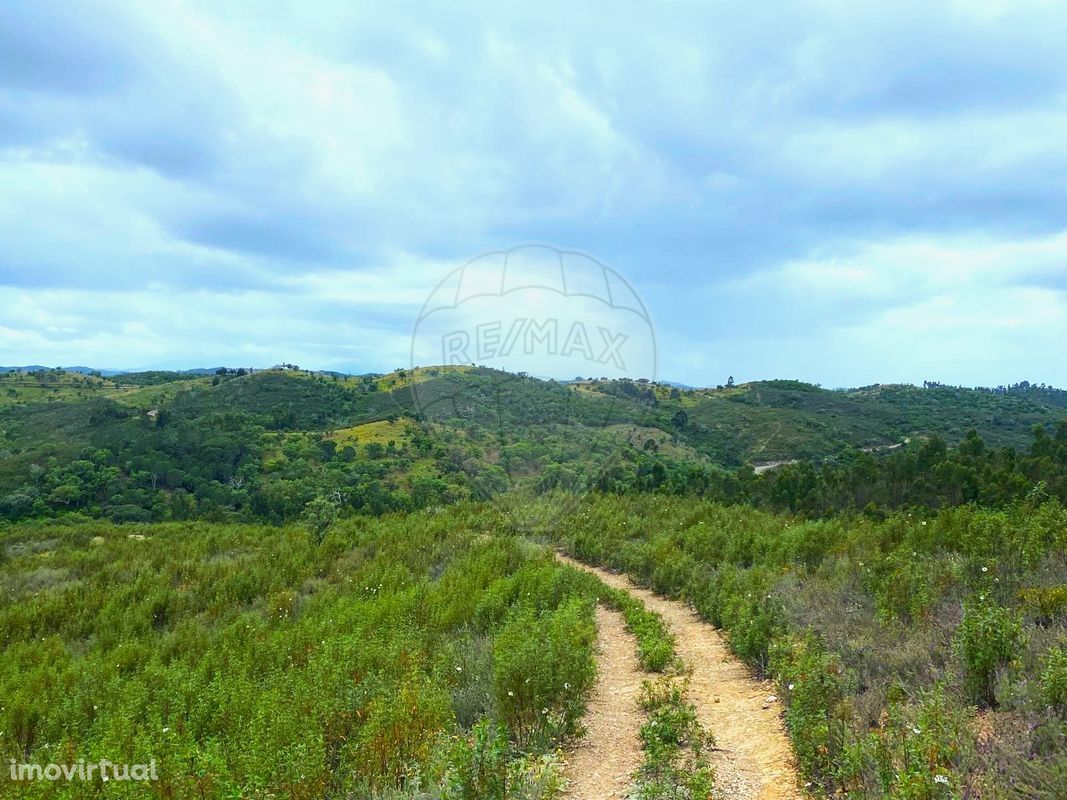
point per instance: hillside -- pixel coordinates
(154, 446)
(884, 617)
(781, 420)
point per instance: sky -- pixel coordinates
(841, 192)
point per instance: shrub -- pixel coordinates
(740, 601)
(655, 643)
(471, 671)
(675, 765)
(907, 586)
(987, 639)
(542, 669)
(815, 686)
(480, 764)
(1045, 605)
(401, 725)
(1054, 681)
(921, 745)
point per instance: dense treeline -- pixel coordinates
(1047, 394)
(924, 474)
(921, 656)
(927, 475)
(226, 466)
(767, 421)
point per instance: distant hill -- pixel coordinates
(78, 370)
(264, 442)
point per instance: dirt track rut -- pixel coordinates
(601, 766)
(753, 760)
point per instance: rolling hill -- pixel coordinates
(145, 446)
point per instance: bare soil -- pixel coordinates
(753, 759)
(601, 766)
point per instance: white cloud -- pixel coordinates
(251, 180)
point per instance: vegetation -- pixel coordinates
(244, 446)
(409, 652)
(430, 652)
(276, 584)
(920, 655)
(676, 765)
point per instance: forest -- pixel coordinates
(260, 446)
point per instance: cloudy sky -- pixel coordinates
(843, 192)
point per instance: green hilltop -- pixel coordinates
(260, 444)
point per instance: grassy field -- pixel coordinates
(32, 388)
(381, 432)
(923, 655)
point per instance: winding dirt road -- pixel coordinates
(753, 759)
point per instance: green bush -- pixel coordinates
(542, 668)
(815, 693)
(480, 764)
(1045, 605)
(1054, 680)
(399, 727)
(675, 765)
(741, 602)
(655, 643)
(908, 585)
(914, 754)
(987, 639)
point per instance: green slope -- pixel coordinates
(261, 445)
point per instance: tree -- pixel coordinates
(730, 382)
(319, 515)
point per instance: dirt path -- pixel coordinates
(601, 766)
(759, 469)
(754, 760)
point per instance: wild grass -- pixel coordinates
(919, 656)
(250, 662)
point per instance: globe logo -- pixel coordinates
(537, 309)
(532, 311)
